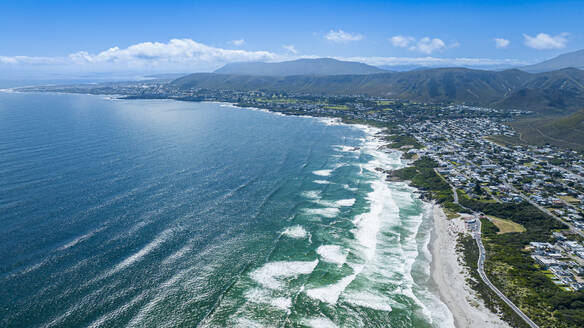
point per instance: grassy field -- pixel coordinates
(505, 140)
(570, 199)
(506, 226)
(567, 131)
(338, 107)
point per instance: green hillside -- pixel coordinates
(566, 131)
(550, 93)
(572, 59)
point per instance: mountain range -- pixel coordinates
(318, 66)
(549, 93)
(572, 59)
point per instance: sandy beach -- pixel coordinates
(450, 277)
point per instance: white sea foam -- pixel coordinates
(330, 293)
(311, 194)
(80, 239)
(345, 202)
(161, 238)
(271, 274)
(322, 173)
(366, 299)
(346, 186)
(327, 212)
(178, 254)
(333, 254)
(117, 312)
(262, 296)
(248, 323)
(296, 232)
(346, 149)
(320, 322)
(330, 120)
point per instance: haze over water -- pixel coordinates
(159, 213)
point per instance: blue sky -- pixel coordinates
(79, 35)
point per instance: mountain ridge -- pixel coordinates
(573, 59)
(550, 93)
(317, 66)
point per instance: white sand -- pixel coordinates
(450, 276)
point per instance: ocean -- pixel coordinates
(158, 213)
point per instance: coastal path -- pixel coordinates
(483, 275)
(481, 266)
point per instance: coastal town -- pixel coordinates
(551, 179)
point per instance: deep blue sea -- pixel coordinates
(157, 213)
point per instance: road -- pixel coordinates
(481, 266)
(543, 209)
(483, 275)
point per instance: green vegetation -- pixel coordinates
(398, 141)
(513, 271)
(338, 107)
(423, 176)
(470, 252)
(565, 132)
(409, 155)
(506, 140)
(506, 226)
(509, 89)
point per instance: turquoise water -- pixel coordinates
(158, 213)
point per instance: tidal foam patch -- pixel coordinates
(260, 296)
(369, 300)
(272, 274)
(322, 173)
(330, 294)
(333, 254)
(321, 322)
(296, 232)
(311, 194)
(345, 202)
(327, 212)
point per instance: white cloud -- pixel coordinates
(341, 36)
(436, 61)
(401, 41)
(428, 46)
(174, 55)
(237, 43)
(424, 45)
(290, 48)
(186, 55)
(176, 51)
(501, 43)
(544, 41)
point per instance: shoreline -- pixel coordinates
(448, 276)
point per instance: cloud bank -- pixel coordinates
(544, 41)
(186, 55)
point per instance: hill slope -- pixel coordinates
(551, 93)
(319, 66)
(572, 59)
(566, 131)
